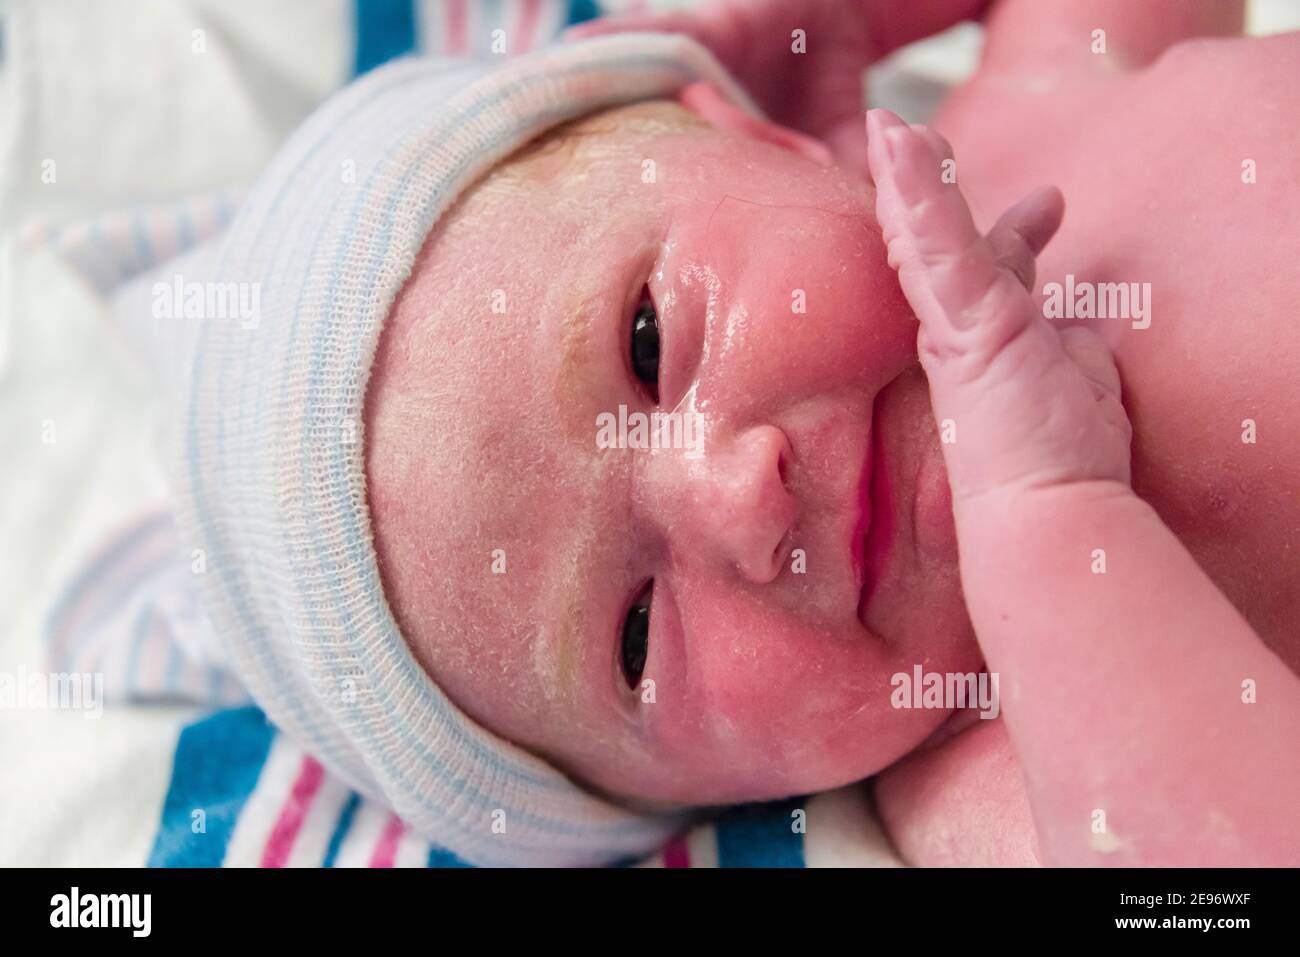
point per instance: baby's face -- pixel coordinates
(792, 562)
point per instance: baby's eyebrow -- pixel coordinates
(577, 353)
(558, 655)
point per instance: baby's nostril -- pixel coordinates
(779, 554)
(781, 468)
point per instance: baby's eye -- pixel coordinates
(645, 343)
(636, 638)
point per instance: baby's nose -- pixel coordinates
(731, 504)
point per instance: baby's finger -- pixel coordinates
(1093, 357)
(905, 160)
(937, 142)
(949, 271)
(1024, 229)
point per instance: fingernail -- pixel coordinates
(885, 127)
(893, 139)
(873, 123)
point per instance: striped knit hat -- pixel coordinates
(270, 471)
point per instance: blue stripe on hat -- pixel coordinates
(217, 764)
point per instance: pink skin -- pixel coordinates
(767, 682)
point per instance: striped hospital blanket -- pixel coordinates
(242, 795)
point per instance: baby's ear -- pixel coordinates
(706, 101)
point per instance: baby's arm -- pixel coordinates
(1124, 691)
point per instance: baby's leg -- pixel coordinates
(1060, 34)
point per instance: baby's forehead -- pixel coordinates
(575, 146)
(473, 461)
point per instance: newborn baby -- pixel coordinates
(647, 630)
(673, 627)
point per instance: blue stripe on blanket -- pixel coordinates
(219, 760)
(582, 10)
(438, 857)
(385, 29)
(761, 835)
(216, 767)
(341, 828)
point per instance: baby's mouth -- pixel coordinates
(868, 502)
(907, 524)
(874, 542)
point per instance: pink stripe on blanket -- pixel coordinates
(457, 28)
(289, 822)
(525, 32)
(677, 853)
(385, 852)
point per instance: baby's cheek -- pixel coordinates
(818, 312)
(783, 700)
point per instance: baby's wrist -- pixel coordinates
(1012, 538)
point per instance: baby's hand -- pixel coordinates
(1027, 405)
